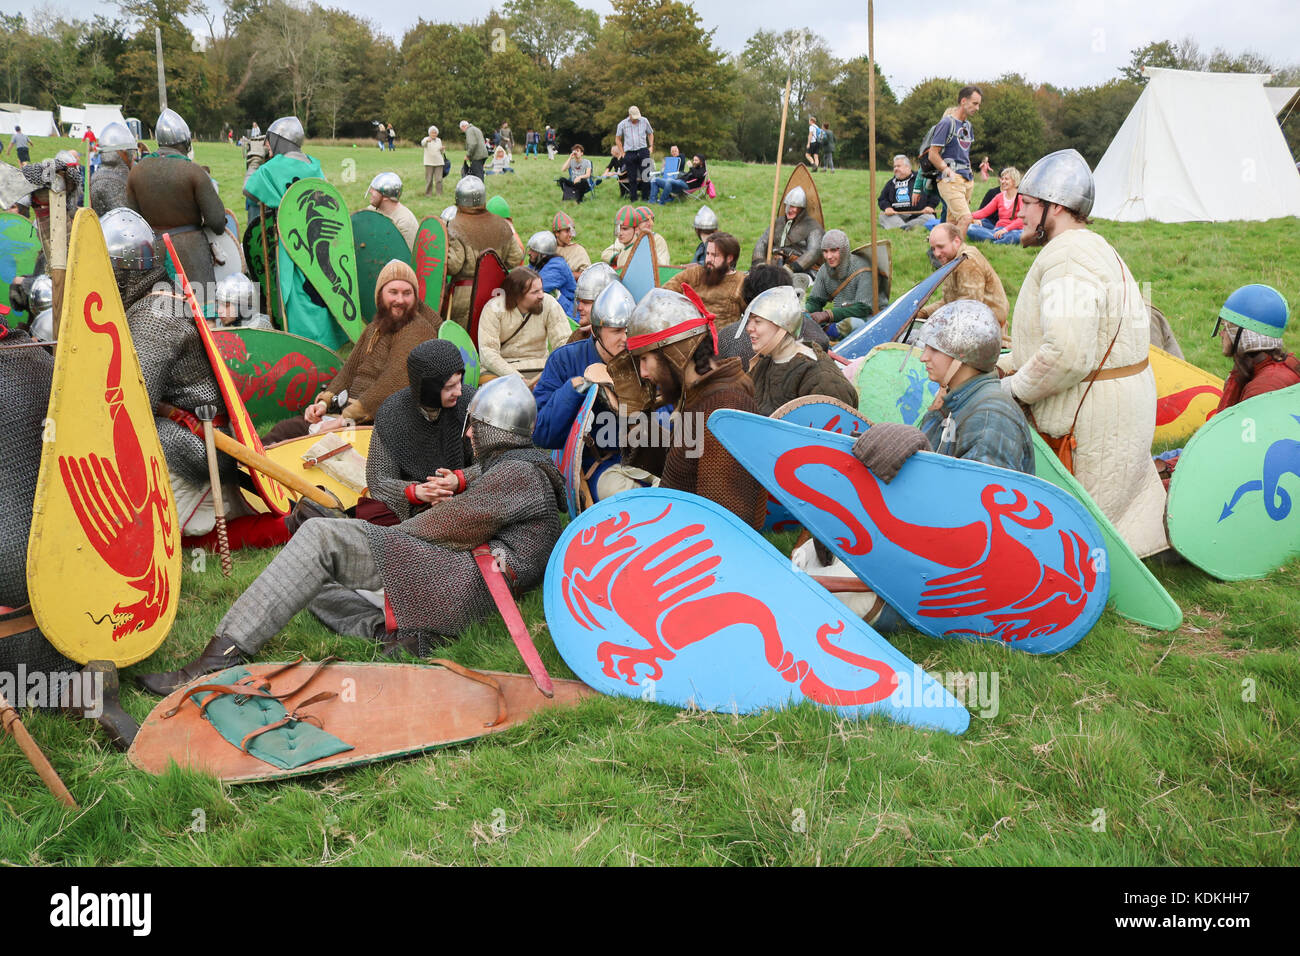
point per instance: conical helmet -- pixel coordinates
(781, 305)
(172, 131)
(130, 240)
(613, 308)
(1062, 177)
(594, 280)
(706, 220)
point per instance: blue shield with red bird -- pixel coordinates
(812, 411)
(959, 548)
(651, 594)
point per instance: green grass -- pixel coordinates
(1149, 727)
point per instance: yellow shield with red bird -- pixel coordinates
(104, 556)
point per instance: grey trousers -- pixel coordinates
(914, 221)
(432, 179)
(323, 551)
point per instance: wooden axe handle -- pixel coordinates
(31, 750)
(246, 455)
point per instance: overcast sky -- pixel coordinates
(1068, 43)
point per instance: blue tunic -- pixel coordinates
(558, 403)
(558, 277)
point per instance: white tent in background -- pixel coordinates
(1280, 97)
(8, 121)
(38, 123)
(93, 116)
(1198, 147)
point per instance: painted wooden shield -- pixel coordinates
(257, 264)
(1186, 396)
(398, 710)
(378, 242)
(667, 272)
(429, 259)
(893, 385)
(458, 337)
(489, 276)
(960, 549)
(316, 233)
(570, 464)
(885, 325)
(641, 273)
(668, 597)
(801, 175)
(228, 247)
(1231, 502)
(812, 411)
(277, 374)
(232, 224)
(291, 455)
(20, 246)
(104, 555)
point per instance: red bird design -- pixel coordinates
(120, 503)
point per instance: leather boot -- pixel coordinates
(220, 653)
(120, 726)
(394, 646)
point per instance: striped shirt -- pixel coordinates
(634, 135)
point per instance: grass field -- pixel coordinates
(1134, 747)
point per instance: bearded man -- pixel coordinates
(974, 278)
(716, 281)
(557, 278)
(565, 234)
(118, 152)
(376, 367)
(509, 501)
(1080, 340)
(517, 330)
(675, 343)
(176, 196)
(798, 239)
(475, 231)
(840, 298)
(177, 371)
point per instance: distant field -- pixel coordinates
(1132, 748)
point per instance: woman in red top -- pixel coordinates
(1003, 210)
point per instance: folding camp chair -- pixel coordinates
(705, 190)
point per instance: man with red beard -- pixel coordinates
(517, 330)
(377, 366)
(716, 281)
(675, 343)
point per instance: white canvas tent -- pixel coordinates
(38, 123)
(1280, 97)
(89, 116)
(8, 121)
(1198, 147)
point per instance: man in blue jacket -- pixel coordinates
(571, 370)
(557, 278)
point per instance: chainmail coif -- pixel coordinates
(421, 441)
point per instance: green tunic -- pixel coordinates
(270, 181)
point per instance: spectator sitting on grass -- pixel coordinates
(1004, 210)
(903, 203)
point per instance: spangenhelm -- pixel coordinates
(388, 185)
(706, 220)
(967, 330)
(498, 206)
(285, 135)
(41, 295)
(471, 193)
(661, 318)
(1259, 308)
(1062, 177)
(563, 221)
(781, 305)
(543, 243)
(116, 138)
(796, 197)
(172, 131)
(240, 291)
(613, 308)
(448, 214)
(593, 281)
(642, 214)
(626, 216)
(129, 239)
(505, 403)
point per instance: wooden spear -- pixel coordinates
(871, 151)
(12, 724)
(780, 151)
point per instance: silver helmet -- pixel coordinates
(240, 291)
(388, 185)
(543, 243)
(706, 220)
(172, 131)
(129, 239)
(1062, 177)
(505, 403)
(659, 310)
(448, 214)
(593, 281)
(796, 197)
(116, 138)
(285, 135)
(67, 158)
(471, 193)
(41, 295)
(967, 330)
(613, 308)
(781, 305)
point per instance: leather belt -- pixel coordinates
(1124, 371)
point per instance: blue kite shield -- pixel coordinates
(650, 595)
(812, 411)
(959, 548)
(570, 460)
(885, 325)
(641, 274)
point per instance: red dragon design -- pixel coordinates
(425, 261)
(304, 378)
(992, 566)
(657, 593)
(1171, 406)
(120, 502)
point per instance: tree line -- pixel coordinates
(535, 62)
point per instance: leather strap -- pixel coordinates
(1124, 371)
(462, 671)
(851, 277)
(17, 625)
(291, 718)
(251, 686)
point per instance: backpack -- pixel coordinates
(928, 168)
